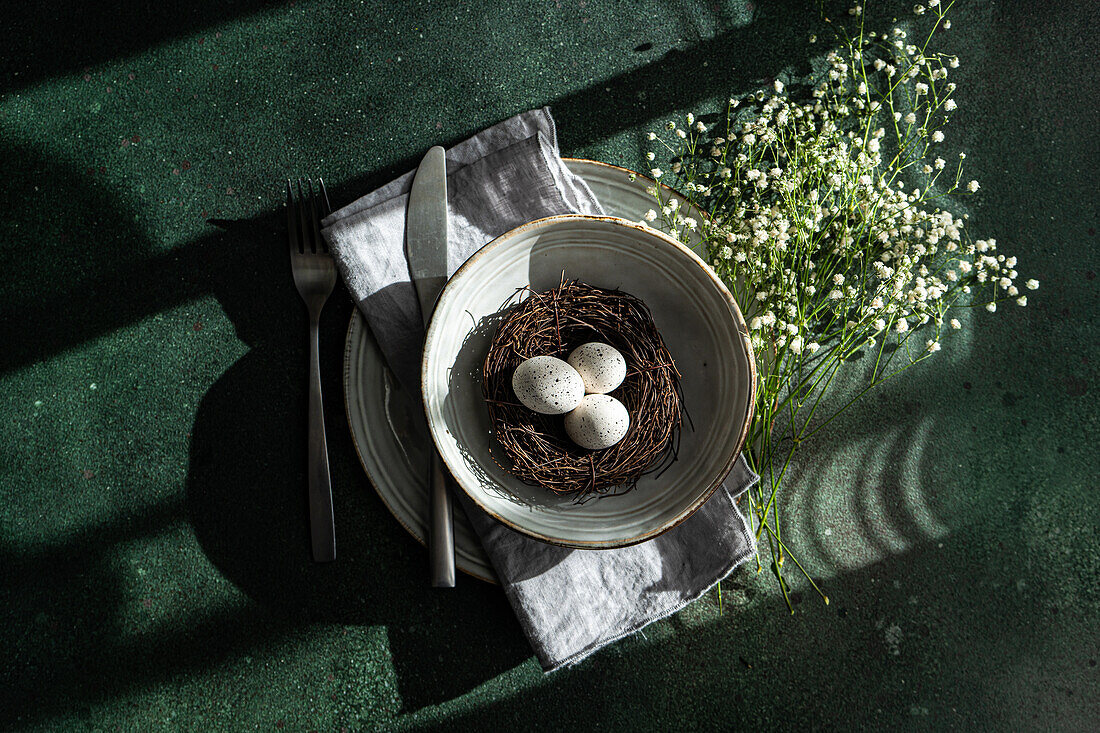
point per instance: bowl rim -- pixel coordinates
(434, 326)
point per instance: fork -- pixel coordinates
(314, 276)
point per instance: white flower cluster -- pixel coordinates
(811, 221)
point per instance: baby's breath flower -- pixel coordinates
(778, 86)
(991, 307)
(955, 324)
(901, 326)
(950, 105)
(953, 62)
(933, 346)
(656, 172)
(972, 186)
(1022, 300)
(937, 137)
(680, 134)
(650, 215)
(690, 118)
(651, 136)
(1032, 285)
(911, 119)
(650, 155)
(939, 163)
(700, 127)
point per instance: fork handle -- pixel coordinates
(441, 543)
(321, 523)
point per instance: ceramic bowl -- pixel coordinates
(697, 318)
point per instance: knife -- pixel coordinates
(426, 247)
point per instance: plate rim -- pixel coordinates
(740, 327)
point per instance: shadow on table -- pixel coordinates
(914, 640)
(64, 630)
(73, 35)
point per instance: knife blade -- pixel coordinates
(426, 248)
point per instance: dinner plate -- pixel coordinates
(387, 422)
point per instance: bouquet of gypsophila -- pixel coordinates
(825, 215)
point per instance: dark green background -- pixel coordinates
(153, 541)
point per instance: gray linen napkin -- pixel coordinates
(569, 602)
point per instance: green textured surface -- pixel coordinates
(153, 543)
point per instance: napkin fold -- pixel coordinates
(569, 602)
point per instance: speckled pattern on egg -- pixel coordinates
(600, 365)
(547, 385)
(600, 421)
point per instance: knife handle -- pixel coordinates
(441, 542)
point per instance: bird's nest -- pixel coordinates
(534, 447)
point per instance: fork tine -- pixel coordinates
(313, 206)
(291, 220)
(307, 242)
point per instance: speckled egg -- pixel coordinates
(547, 385)
(599, 421)
(601, 367)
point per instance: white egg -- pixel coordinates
(599, 421)
(547, 385)
(601, 367)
